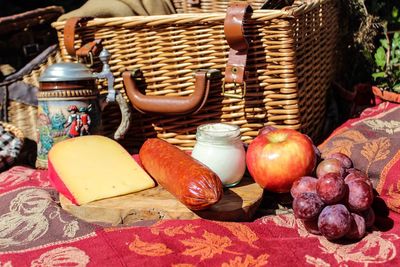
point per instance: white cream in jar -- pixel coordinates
(219, 147)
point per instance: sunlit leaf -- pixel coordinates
(395, 12)
(378, 75)
(380, 57)
(396, 88)
(384, 43)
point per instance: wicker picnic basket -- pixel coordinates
(290, 65)
(28, 46)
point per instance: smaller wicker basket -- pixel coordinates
(15, 131)
(20, 108)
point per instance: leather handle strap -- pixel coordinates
(176, 105)
(70, 27)
(236, 14)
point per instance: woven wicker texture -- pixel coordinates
(22, 115)
(11, 142)
(290, 65)
(13, 129)
(206, 6)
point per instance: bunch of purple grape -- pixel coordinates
(336, 204)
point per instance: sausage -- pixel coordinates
(191, 182)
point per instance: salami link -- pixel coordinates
(191, 182)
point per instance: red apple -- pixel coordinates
(278, 158)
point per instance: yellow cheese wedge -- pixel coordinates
(90, 168)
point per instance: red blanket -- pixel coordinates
(35, 231)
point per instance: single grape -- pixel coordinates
(307, 206)
(344, 159)
(331, 188)
(330, 166)
(354, 170)
(303, 185)
(357, 228)
(369, 217)
(334, 221)
(312, 226)
(357, 176)
(360, 195)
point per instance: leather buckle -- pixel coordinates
(88, 60)
(234, 94)
(94, 47)
(235, 70)
(89, 50)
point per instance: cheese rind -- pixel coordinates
(89, 168)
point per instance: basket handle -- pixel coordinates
(174, 105)
(90, 49)
(237, 13)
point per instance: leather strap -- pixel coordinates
(175, 105)
(71, 24)
(236, 14)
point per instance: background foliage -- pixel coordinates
(373, 43)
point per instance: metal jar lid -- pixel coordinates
(66, 71)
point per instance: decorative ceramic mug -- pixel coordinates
(70, 104)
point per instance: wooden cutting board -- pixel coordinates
(237, 204)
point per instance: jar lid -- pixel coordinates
(218, 132)
(66, 71)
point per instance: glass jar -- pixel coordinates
(219, 147)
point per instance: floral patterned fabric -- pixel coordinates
(35, 231)
(373, 143)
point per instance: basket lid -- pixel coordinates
(66, 71)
